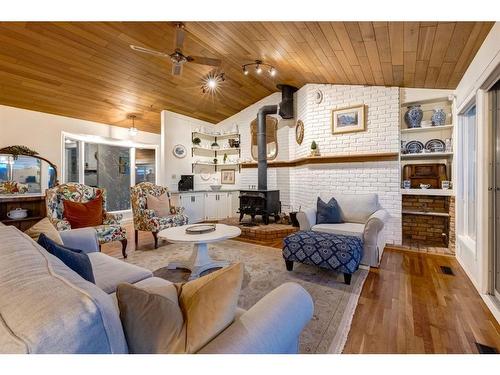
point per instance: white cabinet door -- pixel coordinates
(223, 205)
(193, 206)
(210, 206)
(234, 198)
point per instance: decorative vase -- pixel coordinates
(438, 118)
(413, 116)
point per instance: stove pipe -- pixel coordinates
(262, 144)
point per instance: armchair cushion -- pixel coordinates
(346, 229)
(328, 213)
(160, 205)
(84, 214)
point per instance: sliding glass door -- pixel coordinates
(109, 166)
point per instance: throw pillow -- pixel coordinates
(328, 213)
(209, 305)
(160, 204)
(44, 226)
(73, 258)
(179, 318)
(83, 215)
(151, 318)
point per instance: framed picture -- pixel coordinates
(227, 176)
(179, 151)
(348, 120)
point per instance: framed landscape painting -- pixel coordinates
(348, 120)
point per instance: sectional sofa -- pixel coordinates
(45, 307)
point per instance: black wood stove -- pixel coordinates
(265, 202)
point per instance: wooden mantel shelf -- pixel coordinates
(329, 159)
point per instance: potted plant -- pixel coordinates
(225, 158)
(314, 149)
(215, 146)
(196, 141)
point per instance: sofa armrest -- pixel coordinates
(84, 239)
(306, 218)
(374, 226)
(272, 325)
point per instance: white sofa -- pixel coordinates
(45, 307)
(363, 217)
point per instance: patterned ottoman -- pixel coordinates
(326, 250)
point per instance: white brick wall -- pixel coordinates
(300, 186)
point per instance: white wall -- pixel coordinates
(299, 186)
(474, 256)
(177, 129)
(42, 132)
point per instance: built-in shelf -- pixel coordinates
(217, 166)
(426, 213)
(218, 136)
(426, 101)
(435, 192)
(216, 152)
(29, 218)
(427, 155)
(427, 129)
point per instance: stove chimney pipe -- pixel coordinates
(262, 143)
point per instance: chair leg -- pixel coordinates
(136, 236)
(347, 278)
(155, 235)
(124, 248)
(289, 265)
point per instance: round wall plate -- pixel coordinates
(179, 151)
(318, 96)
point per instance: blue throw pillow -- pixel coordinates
(74, 259)
(328, 213)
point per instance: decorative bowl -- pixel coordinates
(215, 187)
(18, 213)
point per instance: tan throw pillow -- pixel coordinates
(179, 318)
(209, 305)
(160, 205)
(44, 226)
(151, 318)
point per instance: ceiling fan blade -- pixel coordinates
(180, 33)
(176, 69)
(150, 51)
(204, 60)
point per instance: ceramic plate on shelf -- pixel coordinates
(435, 145)
(205, 175)
(414, 147)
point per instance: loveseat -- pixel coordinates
(362, 216)
(45, 307)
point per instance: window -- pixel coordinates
(467, 173)
(72, 157)
(145, 169)
(108, 165)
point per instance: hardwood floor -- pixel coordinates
(406, 306)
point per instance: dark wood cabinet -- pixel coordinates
(34, 204)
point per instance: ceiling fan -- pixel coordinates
(177, 57)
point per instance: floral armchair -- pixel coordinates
(145, 219)
(110, 230)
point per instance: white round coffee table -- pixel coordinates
(199, 261)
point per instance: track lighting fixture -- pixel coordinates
(259, 68)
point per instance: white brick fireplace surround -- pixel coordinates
(299, 186)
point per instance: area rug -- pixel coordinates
(334, 302)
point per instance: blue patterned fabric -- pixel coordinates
(328, 213)
(326, 250)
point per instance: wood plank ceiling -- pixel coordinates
(86, 70)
